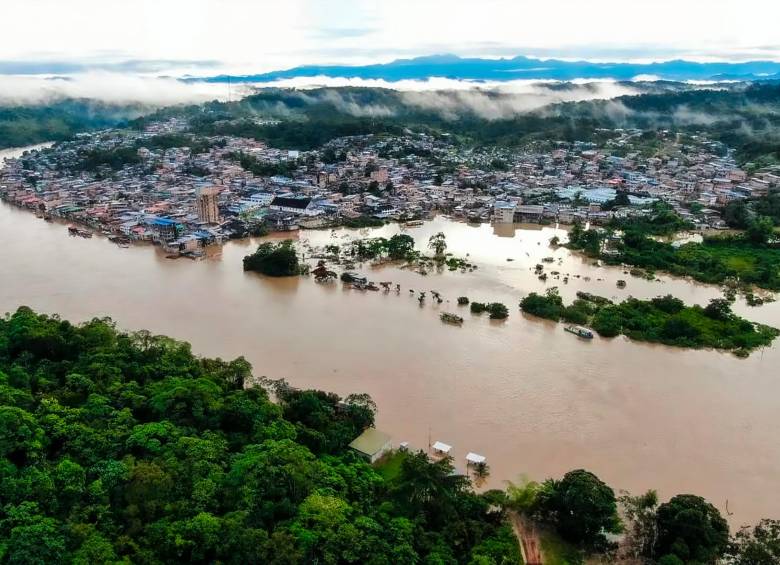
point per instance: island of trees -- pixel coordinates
(127, 448)
(274, 259)
(748, 258)
(664, 319)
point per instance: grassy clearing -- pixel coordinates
(390, 467)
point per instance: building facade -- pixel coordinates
(206, 205)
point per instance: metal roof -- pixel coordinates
(370, 441)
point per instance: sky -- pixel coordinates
(203, 37)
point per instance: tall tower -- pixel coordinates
(206, 205)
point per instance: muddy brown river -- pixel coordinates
(532, 398)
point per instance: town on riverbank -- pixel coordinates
(162, 183)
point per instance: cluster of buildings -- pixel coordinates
(196, 192)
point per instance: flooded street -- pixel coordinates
(531, 398)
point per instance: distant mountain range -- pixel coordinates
(454, 67)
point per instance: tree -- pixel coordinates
(691, 529)
(21, 438)
(498, 311)
(718, 309)
(736, 214)
(274, 260)
(438, 243)
(581, 507)
(679, 328)
(621, 199)
(36, 541)
(400, 246)
(668, 304)
(759, 545)
(761, 230)
(550, 306)
(523, 496)
(575, 234)
(640, 514)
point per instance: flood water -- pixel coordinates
(531, 398)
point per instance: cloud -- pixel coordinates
(68, 67)
(116, 88)
(491, 100)
(341, 32)
(347, 104)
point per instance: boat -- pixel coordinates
(450, 318)
(73, 230)
(413, 223)
(579, 332)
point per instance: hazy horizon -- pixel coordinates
(197, 37)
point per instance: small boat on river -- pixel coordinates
(579, 332)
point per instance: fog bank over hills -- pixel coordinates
(124, 89)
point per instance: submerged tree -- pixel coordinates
(274, 260)
(438, 243)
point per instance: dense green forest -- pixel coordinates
(126, 448)
(60, 120)
(743, 116)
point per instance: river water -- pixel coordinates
(531, 398)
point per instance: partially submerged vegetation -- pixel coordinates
(664, 319)
(496, 310)
(661, 220)
(400, 247)
(274, 260)
(751, 258)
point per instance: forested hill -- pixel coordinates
(127, 448)
(744, 116)
(59, 120)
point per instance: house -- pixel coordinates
(294, 206)
(372, 444)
